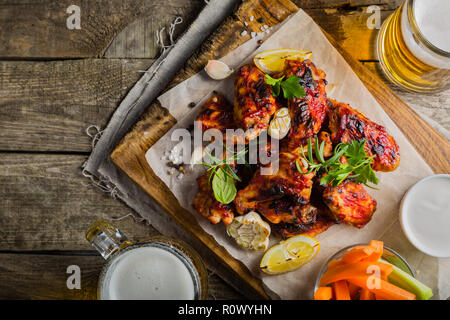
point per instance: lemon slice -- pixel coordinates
(289, 255)
(272, 61)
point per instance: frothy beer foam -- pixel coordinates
(433, 21)
(148, 273)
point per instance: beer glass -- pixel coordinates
(160, 268)
(414, 46)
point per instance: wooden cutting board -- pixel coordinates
(129, 155)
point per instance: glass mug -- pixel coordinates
(414, 46)
(161, 268)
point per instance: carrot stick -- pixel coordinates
(341, 290)
(334, 263)
(385, 289)
(365, 294)
(347, 271)
(323, 293)
(377, 247)
(354, 290)
(356, 255)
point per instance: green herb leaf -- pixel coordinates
(275, 83)
(358, 168)
(223, 187)
(292, 88)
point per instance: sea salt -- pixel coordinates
(244, 33)
(253, 34)
(251, 18)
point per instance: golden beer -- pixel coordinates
(414, 45)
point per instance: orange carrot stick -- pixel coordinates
(323, 293)
(377, 247)
(385, 289)
(356, 255)
(341, 290)
(365, 294)
(354, 290)
(347, 271)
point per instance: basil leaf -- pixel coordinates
(223, 187)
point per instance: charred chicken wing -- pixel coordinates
(350, 203)
(254, 103)
(307, 113)
(216, 113)
(347, 124)
(286, 181)
(282, 197)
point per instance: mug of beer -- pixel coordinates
(414, 46)
(158, 269)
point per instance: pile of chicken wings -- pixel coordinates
(291, 202)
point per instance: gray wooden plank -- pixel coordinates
(44, 276)
(48, 205)
(47, 105)
(38, 29)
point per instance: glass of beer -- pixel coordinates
(414, 46)
(158, 269)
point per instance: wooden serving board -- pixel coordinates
(129, 155)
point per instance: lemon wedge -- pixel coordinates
(272, 61)
(289, 255)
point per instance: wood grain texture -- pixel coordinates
(47, 106)
(44, 276)
(48, 205)
(130, 153)
(37, 29)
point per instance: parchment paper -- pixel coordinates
(301, 32)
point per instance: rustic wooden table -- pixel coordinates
(55, 82)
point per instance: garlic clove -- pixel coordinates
(218, 70)
(280, 124)
(250, 231)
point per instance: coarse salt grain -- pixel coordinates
(253, 34)
(251, 18)
(244, 33)
(246, 23)
(266, 27)
(180, 176)
(261, 28)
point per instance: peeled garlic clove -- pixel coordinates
(280, 124)
(250, 231)
(218, 70)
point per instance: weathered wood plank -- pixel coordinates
(48, 205)
(43, 276)
(38, 29)
(126, 29)
(47, 106)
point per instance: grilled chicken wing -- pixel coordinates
(350, 203)
(282, 197)
(207, 206)
(347, 124)
(286, 230)
(216, 113)
(307, 113)
(287, 181)
(254, 103)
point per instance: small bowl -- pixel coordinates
(388, 254)
(425, 215)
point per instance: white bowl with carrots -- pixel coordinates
(368, 272)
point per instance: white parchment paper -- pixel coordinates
(300, 32)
